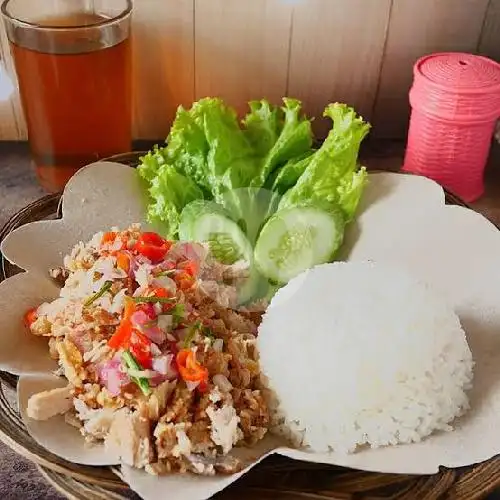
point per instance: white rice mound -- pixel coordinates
(363, 354)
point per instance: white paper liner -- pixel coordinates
(403, 221)
(99, 196)
(55, 434)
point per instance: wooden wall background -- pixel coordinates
(357, 51)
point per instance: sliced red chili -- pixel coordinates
(152, 246)
(189, 267)
(30, 316)
(122, 334)
(108, 237)
(184, 280)
(189, 368)
(123, 261)
(161, 292)
(140, 347)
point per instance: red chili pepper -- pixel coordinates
(152, 246)
(122, 333)
(123, 261)
(190, 267)
(161, 292)
(189, 368)
(124, 330)
(140, 346)
(184, 280)
(30, 317)
(108, 237)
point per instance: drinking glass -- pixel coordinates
(73, 65)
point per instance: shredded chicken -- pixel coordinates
(151, 414)
(48, 404)
(129, 438)
(225, 431)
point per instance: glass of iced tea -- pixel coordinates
(73, 65)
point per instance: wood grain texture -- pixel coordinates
(336, 54)
(163, 58)
(357, 51)
(489, 44)
(417, 28)
(242, 49)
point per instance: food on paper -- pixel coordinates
(259, 184)
(159, 366)
(402, 221)
(377, 357)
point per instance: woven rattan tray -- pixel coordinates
(274, 478)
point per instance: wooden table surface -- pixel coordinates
(19, 479)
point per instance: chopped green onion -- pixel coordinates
(207, 331)
(166, 273)
(177, 313)
(193, 329)
(132, 364)
(154, 300)
(105, 288)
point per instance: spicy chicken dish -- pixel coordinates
(160, 366)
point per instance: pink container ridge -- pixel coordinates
(455, 100)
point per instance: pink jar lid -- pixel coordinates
(457, 87)
(459, 72)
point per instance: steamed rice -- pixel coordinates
(367, 356)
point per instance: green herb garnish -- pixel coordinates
(177, 312)
(193, 330)
(207, 331)
(105, 288)
(131, 363)
(154, 300)
(166, 273)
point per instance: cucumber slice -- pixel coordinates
(206, 221)
(298, 238)
(250, 208)
(226, 240)
(192, 212)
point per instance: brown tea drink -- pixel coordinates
(74, 73)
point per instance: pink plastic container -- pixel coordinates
(455, 100)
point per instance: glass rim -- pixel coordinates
(7, 16)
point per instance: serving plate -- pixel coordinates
(275, 477)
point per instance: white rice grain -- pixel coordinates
(363, 354)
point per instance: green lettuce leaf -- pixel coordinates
(207, 145)
(278, 135)
(170, 192)
(220, 180)
(332, 177)
(150, 163)
(232, 161)
(287, 176)
(187, 148)
(263, 125)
